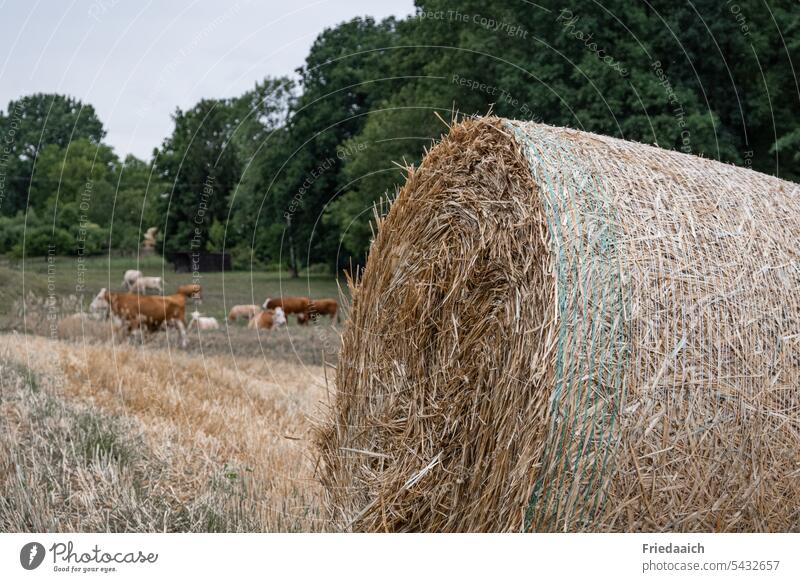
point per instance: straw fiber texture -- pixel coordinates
(559, 331)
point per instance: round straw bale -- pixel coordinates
(560, 331)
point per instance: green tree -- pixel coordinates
(346, 74)
(200, 164)
(31, 124)
(74, 189)
(260, 134)
(136, 202)
(80, 173)
(706, 78)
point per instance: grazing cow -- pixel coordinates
(190, 291)
(296, 305)
(150, 312)
(129, 278)
(99, 306)
(268, 319)
(203, 322)
(318, 307)
(246, 311)
(142, 284)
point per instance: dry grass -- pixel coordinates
(82, 328)
(99, 437)
(560, 331)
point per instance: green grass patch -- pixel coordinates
(98, 437)
(20, 371)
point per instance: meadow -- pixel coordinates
(68, 277)
(104, 433)
(36, 297)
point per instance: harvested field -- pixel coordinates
(100, 437)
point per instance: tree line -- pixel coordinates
(290, 173)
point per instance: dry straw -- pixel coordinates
(560, 331)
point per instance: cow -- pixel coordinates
(129, 278)
(268, 319)
(190, 291)
(318, 307)
(140, 312)
(296, 305)
(99, 306)
(142, 284)
(246, 311)
(203, 322)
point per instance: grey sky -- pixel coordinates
(136, 61)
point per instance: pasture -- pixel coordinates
(102, 433)
(37, 280)
(68, 277)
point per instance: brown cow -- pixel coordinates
(191, 291)
(150, 312)
(318, 307)
(296, 305)
(268, 319)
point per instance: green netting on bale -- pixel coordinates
(589, 383)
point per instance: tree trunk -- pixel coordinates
(293, 271)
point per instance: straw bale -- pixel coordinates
(560, 331)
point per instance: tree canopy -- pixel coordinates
(291, 172)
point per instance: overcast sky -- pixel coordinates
(136, 61)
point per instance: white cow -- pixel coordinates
(142, 284)
(101, 309)
(279, 319)
(203, 322)
(99, 303)
(246, 311)
(268, 319)
(129, 278)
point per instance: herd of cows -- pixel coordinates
(136, 311)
